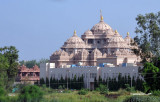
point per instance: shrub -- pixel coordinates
(156, 93)
(3, 99)
(66, 91)
(2, 91)
(103, 89)
(60, 87)
(129, 89)
(2, 94)
(123, 92)
(142, 99)
(82, 92)
(30, 94)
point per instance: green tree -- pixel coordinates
(150, 76)
(4, 65)
(8, 64)
(42, 82)
(2, 94)
(74, 82)
(31, 94)
(139, 84)
(11, 53)
(103, 89)
(95, 83)
(47, 82)
(148, 35)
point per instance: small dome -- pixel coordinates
(88, 32)
(116, 38)
(74, 42)
(101, 26)
(60, 52)
(117, 41)
(57, 52)
(128, 39)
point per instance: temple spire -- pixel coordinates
(127, 33)
(101, 15)
(116, 31)
(74, 33)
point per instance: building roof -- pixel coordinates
(101, 26)
(74, 42)
(88, 32)
(23, 68)
(117, 41)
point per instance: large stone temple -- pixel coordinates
(100, 44)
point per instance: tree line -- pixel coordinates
(31, 63)
(75, 83)
(113, 84)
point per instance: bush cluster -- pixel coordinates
(103, 89)
(82, 92)
(156, 93)
(123, 92)
(142, 99)
(129, 89)
(2, 94)
(31, 94)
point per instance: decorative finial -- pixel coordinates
(101, 15)
(116, 31)
(127, 33)
(74, 33)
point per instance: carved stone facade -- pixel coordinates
(101, 44)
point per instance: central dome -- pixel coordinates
(74, 42)
(101, 26)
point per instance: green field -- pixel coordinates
(92, 96)
(63, 95)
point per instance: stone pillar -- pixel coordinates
(109, 51)
(94, 41)
(75, 50)
(86, 41)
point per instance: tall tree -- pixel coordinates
(11, 55)
(3, 70)
(148, 35)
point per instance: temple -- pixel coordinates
(28, 74)
(100, 44)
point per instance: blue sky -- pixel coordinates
(39, 27)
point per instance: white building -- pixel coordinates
(47, 70)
